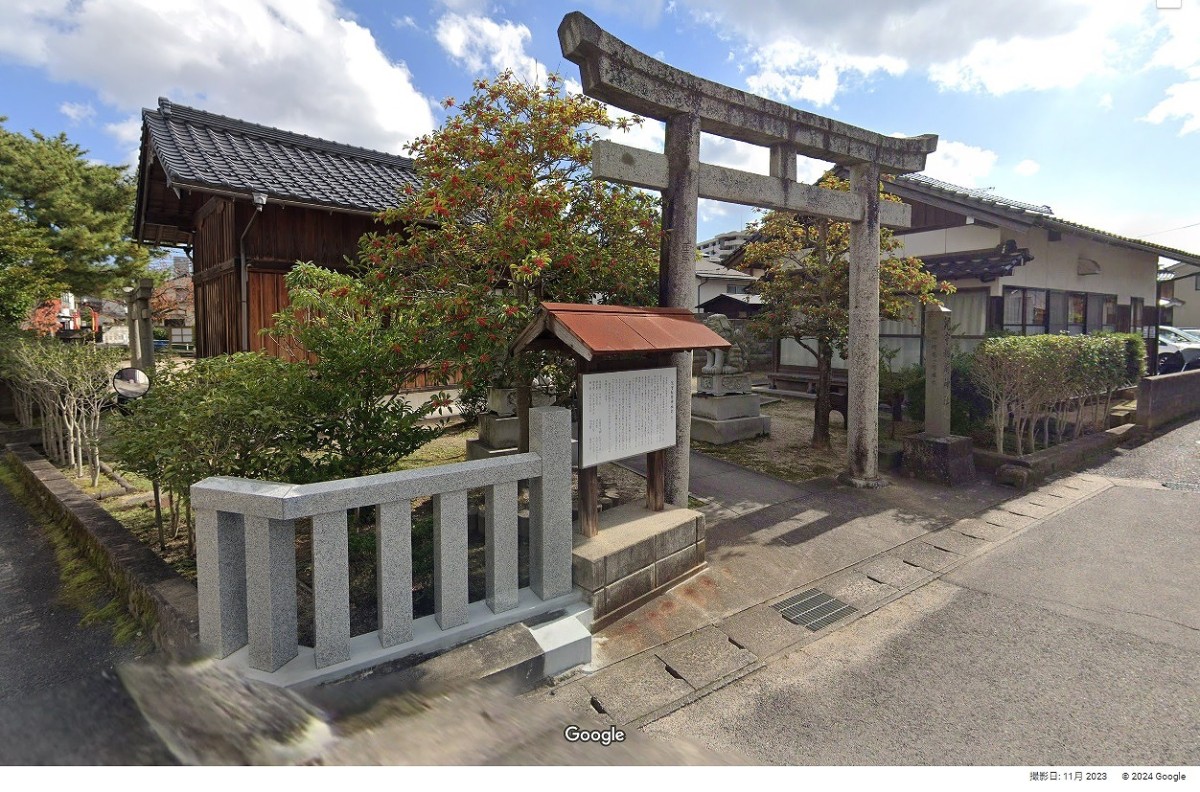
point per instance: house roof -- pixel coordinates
(592, 331)
(986, 265)
(190, 149)
(713, 268)
(997, 209)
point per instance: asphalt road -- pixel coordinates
(1172, 458)
(1075, 643)
(60, 700)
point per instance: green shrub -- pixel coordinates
(1051, 379)
(968, 407)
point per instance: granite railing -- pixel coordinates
(246, 558)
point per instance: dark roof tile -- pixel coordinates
(200, 149)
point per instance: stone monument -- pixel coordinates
(724, 409)
(936, 454)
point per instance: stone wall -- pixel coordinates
(155, 594)
(637, 555)
(1167, 397)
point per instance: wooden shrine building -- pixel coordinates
(247, 202)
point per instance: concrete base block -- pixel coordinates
(722, 432)
(499, 432)
(945, 460)
(722, 408)
(477, 449)
(564, 642)
(636, 553)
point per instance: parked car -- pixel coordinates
(1178, 350)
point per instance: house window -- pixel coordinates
(1037, 311)
(1058, 312)
(1109, 319)
(734, 289)
(1076, 313)
(1026, 311)
(1135, 314)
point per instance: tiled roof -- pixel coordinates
(710, 268)
(1032, 215)
(205, 150)
(983, 264)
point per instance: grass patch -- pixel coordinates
(787, 453)
(449, 448)
(82, 585)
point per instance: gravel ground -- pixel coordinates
(787, 453)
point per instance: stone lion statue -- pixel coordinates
(723, 361)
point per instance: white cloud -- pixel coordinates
(297, 65)
(790, 71)
(1180, 50)
(400, 23)
(960, 163)
(1182, 102)
(1027, 63)
(1106, 102)
(483, 45)
(467, 6)
(1027, 167)
(806, 49)
(128, 133)
(77, 111)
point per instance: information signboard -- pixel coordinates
(625, 413)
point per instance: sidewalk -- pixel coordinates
(769, 540)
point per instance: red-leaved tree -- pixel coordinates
(509, 215)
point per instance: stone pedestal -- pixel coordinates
(636, 555)
(498, 437)
(722, 384)
(945, 460)
(727, 419)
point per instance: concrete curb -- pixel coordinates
(155, 593)
(1030, 469)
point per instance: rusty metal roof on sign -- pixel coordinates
(592, 331)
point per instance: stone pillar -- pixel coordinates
(550, 531)
(677, 282)
(141, 334)
(935, 454)
(221, 581)
(862, 398)
(937, 371)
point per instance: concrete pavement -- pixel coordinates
(1054, 627)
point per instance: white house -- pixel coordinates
(713, 279)
(1019, 268)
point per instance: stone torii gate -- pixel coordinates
(620, 75)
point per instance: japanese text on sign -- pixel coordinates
(625, 413)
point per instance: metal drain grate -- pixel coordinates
(813, 609)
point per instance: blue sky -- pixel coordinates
(1089, 106)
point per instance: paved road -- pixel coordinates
(1077, 642)
(1172, 458)
(60, 699)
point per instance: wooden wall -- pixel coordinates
(269, 296)
(283, 235)
(216, 284)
